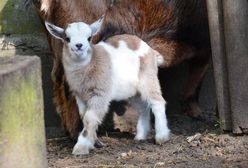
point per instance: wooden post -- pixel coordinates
(22, 132)
(236, 41)
(216, 27)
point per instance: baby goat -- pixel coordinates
(121, 68)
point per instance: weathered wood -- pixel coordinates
(236, 40)
(216, 25)
(22, 134)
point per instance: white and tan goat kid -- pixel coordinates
(121, 68)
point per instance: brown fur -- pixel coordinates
(177, 38)
(178, 29)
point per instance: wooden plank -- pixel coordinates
(22, 132)
(216, 27)
(236, 40)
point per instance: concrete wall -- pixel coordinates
(21, 33)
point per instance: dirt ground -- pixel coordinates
(193, 143)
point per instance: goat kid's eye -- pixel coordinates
(67, 39)
(89, 38)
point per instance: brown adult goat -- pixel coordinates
(61, 13)
(178, 29)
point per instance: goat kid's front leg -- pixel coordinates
(95, 112)
(83, 144)
(81, 107)
(87, 137)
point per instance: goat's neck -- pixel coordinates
(71, 64)
(75, 71)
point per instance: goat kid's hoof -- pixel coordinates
(98, 144)
(80, 149)
(162, 137)
(140, 138)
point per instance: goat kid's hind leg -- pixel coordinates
(162, 132)
(144, 124)
(150, 91)
(154, 98)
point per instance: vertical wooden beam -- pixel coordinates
(236, 41)
(216, 27)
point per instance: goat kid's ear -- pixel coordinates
(56, 31)
(95, 27)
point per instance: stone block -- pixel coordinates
(22, 132)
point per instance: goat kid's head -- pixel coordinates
(76, 37)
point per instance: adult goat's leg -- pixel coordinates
(198, 67)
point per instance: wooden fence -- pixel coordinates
(228, 22)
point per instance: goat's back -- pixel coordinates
(183, 21)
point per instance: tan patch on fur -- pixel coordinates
(149, 72)
(148, 61)
(133, 42)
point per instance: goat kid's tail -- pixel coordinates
(160, 60)
(159, 57)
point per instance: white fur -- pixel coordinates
(78, 33)
(160, 60)
(96, 25)
(82, 146)
(161, 128)
(123, 76)
(91, 117)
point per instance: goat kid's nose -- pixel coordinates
(79, 45)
